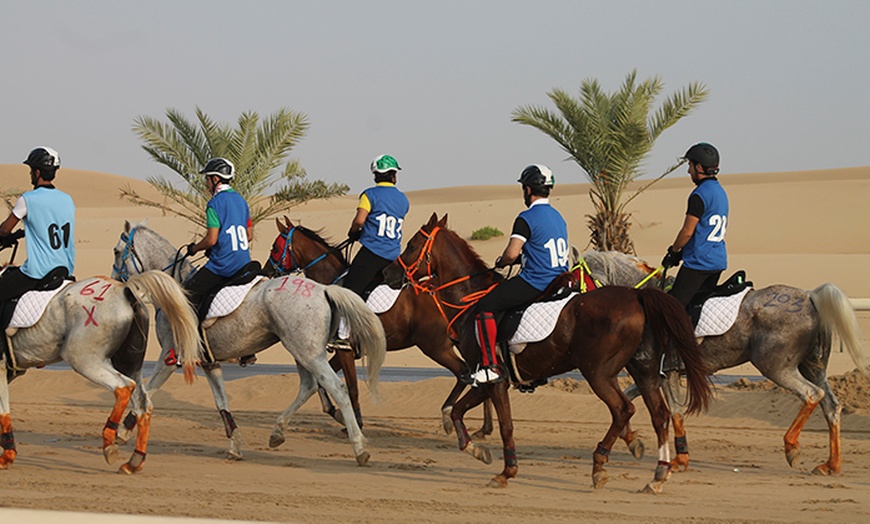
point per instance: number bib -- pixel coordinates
(49, 228)
(231, 252)
(545, 253)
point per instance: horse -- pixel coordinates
(785, 332)
(414, 319)
(99, 326)
(597, 332)
(296, 311)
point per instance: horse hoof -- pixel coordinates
(235, 455)
(636, 448)
(363, 458)
(599, 479)
(446, 421)
(111, 453)
(653, 488)
(276, 440)
(791, 455)
(497, 481)
(825, 470)
(122, 437)
(481, 453)
(680, 462)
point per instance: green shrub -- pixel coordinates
(485, 233)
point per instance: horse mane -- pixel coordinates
(317, 236)
(470, 255)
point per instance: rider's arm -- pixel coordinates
(358, 220)
(519, 234)
(693, 215)
(9, 224)
(209, 240)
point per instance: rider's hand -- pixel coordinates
(17, 234)
(190, 251)
(353, 236)
(672, 258)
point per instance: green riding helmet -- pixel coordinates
(384, 164)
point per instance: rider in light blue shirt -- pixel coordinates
(49, 224)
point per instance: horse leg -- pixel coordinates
(621, 410)
(648, 385)
(832, 410)
(326, 377)
(487, 427)
(681, 445)
(632, 438)
(471, 399)
(790, 379)
(7, 438)
(142, 412)
(159, 376)
(501, 402)
(307, 386)
(325, 402)
(348, 367)
(215, 376)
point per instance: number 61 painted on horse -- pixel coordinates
(99, 326)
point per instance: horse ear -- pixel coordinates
(433, 219)
(281, 228)
(443, 222)
(126, 226)
(287, 222)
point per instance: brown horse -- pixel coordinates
(414, 320)
(598, 333)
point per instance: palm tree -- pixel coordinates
(257, 149)
(609, 135)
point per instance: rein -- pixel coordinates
(139, 267)
(280, 265)
(422, 286)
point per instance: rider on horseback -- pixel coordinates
(700, 243)
(229, 232)
(49, 218)
(540, 235)
(378, 227)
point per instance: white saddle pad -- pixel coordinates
(539, 320)
(32, 305)
(382, 298)
(228, 299)
(718, 314)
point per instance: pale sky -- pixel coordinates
(433, 83)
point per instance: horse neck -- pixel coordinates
(455, 260)
(159, 254)
(326, 265)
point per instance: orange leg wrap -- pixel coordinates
(792, 448)
(110, 431)
(9, 453)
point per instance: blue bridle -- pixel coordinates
(130, 254)
(278, 265)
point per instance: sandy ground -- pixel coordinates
(800, 228)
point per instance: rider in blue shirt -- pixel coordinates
(377, 225)
(540, 236)
(229, 232)
(49, 219)
(700, 243)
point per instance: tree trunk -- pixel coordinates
(610, 231)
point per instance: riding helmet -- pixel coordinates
(384, 164)
(43, 158)
(220, 167)
(537, 176)
(704, 154)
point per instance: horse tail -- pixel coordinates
(165, 293)
(837, 316)
(366, 330)
(673, 331)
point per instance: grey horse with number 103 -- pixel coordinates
(785, 332)
(298, 312)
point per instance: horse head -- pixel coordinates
(140, 249)
(297, 248)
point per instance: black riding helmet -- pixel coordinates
(706, 155)
(45, 160)
(219, 167)
(537, 176)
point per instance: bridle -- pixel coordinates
(282, 268)
(425, 283)
(131, 255)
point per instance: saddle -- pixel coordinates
(52, 281)
(735, 284)
(508, 321)
(242, 277)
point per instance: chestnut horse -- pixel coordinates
(414, 320)
(598, 333)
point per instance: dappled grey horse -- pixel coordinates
(99, 327)
(293, 310)
(785, 332)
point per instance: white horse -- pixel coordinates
(99, 326)
(298, 312)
